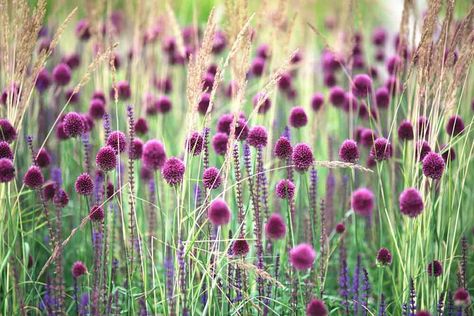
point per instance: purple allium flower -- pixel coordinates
(240, 247)
(405, 130)
(380, 55)
(33, 178)
(285, 189)
(154, 155)
(394, 63)
(302, 157)
(275, 228)
(123, 90)
(422, 149)
(164, 104)
(97, 213)
(241, 129)
(257, 136)
(43, 81)
(263, 51)
(448, 153)
(316, 307)
(283, 149)
(381, 149)
(455, 126)
(363, 201)
(218, 212)
(62, 74)
(173, 171)
(423, 313)
(298, 117)
(367, 137)
(349, 152)
(224, 122)
(7, 131)
(362, 85)
(435, 268)
(78, 269)
(392, 84)
(88, 123)
(462, 297)
(211, 178)
(411, 202)
(382, 98)
(49, 190)
(379, 36)
(340, 228)
(106, 158)
(317, 101)
(195, 143)
(99, 95)
(73, 124)
(208, 82)
(350, 102)
(337, 96)
(257, 67)
(219, 143)
(7, 170)
(5, 151)
(84, 184)
(262, 101)
(136, 149)
(285, 81)
(118, 141)
(302, 256)
(141, 126)
(433, 165)
(72, 96)
(384, 256)
(97, 108)
(204, 103)
(61, 198)
(83, 30)
(219, 42)
(73, 60)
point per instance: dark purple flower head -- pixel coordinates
(7, 131)
(97, 214)
(263, 51)
(195, 143)
(78, 269)
(285, 189)
(394, 64)
(262, 101)
(240, 247)
(298, 117)
(211, 178)
(241, 129)
(411, 202)
(302, 157)
(363, 201)
(422, 149)
(141, 126)
(435, 268)
(154, 155)
(84, 184)
(283, 149)
(448, 153)
(317, 101)
(257, 67)
(218, 212)
(7, 170)
(43, 158)
(173, 171)
(49, 190)
(381, 149)
(455, 126)
(163, 104)
(62, 74)
(83, 30)
(97, 108)
(123, 90)
(405, 130)
(43, 81)
(316, 307)
(61, 198)
(275, 228)
(362, 85)
(302, 256)
(224, 122)
(384, 256)
(285, 81)
(340, 228)
(423, 313)
(106, 158)
(367, 137)
(204, 103)
(72, 96)
(349, 152)
(72, 60)
(337, 96)
(118, 141)
(379, 36)
(219, 42)
(257, 136)
(208, 82)
(99, 95)
(433, 165)
(382, 98)
(33, 178)
(73, 124)
(462, 297)
(350, 102)
(88, 122)
(219, 143)
(5, 151)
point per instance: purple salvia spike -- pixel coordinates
(169, 268)
(365, 292)
(412, 311)
(464, 248)
(86, 145)
(56, 176)
(238, 190)
(182, 275)
(382, 306)
(344, 283)
(107, 126)
(206, 147)
(355, 286)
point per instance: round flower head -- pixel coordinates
(379, 36)
(462, 297)
(381, 149)
(240, 247)
(362, 201)
(141, 126)
(302, 256)
(7, 170)
(257, 136)
(448, 154)
(73, 60)
(62, 74)
(99, 95)
(78, 269)
(350, 102)
(5, 151)
(329, 79)
(433, 165)
(435, 269)
(316, 307)
(423, 313)
(455, 126)
(106, 158)
(384, 256)
(218, 212)
(224, 122)
(411, 202)
(97, 214)
(219, 143)
(33, 178)
(367, 137)
(43, 158)
(211, 178)
(163, 104)
(173, 171)
(96, 108)
(241, 129)
(298, 117)
(275, 227)
(382, 98)
(123, 90)
(422, 149)
(317, 101)
(285, 189)
(71, 96)
(349, 152)
(84, 184)
(362, 85)
(203, 103)
(61, 199)
(394, 63)
(302, 157)
(7, 131)
(284, 83)
(88, 122)
(49, 190)
(283, 149)
(208, 82)
(340, 228)
(405, 130)
(257, 66)
(136, 149)
(195, 143)
(154, 155)
(73, 124)
(83, 30)
(337, 96)
(117, 141)
(43, 81)
(263, 51)
(262, 101)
